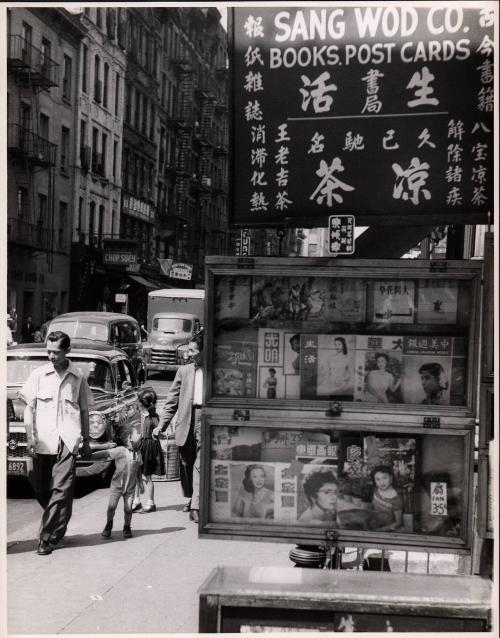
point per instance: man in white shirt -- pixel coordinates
(56, 418)
(185, 399)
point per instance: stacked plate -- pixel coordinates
(307, 556)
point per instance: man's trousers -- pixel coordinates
(189, 454)
(54, 482)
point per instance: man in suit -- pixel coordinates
(185, 399)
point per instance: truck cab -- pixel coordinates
(168, 340)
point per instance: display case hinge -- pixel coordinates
(241, 415)
(335, 409)
(432, 422)
(438, 265)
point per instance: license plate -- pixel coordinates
(19, 468)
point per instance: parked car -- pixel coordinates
(113, 328)
(114, 387)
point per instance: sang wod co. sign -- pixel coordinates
(381, 111)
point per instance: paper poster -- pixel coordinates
(394, 301)
(433, 370)
(379, 368)
(437, 301)
(232, 297)
(278, 364)
(327, 366)
(235, 369)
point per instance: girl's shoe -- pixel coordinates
(136, 507)
(106, 532)
(127, 532)
(149, 508)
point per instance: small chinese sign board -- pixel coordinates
(243, 243)
(341, 234)
(385, 110)
(181, 271)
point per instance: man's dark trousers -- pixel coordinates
(54, 482)
(188, 452)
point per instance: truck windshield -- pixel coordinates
(82, 330)
(171, 324)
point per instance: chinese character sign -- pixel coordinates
(341, 234)
(383, 110)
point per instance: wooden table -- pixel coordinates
(256, 599)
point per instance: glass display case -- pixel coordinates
(340, 401)
(290, 481)
(374, 336)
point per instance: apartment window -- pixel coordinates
(67, 77)
(80, 215)
(63, 219)
(46, 51)
(152, 123)
(85, 67)
(64, 148)
(105, 87)
(91, 221)
(113, 222)
(98, 18)
(100, 226)
(126, 169)
(42, 210)
(128, 104)
(117, 93)
(27, 33)
(83, 133)
(137, 112)
(115, 156)
(144, 125)
(22, 203)
(97, 81)
(103, 152)
(44, 126)
(95, 146)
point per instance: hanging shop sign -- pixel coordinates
(243, 243)
(138, 208)
(382, 110)
(181, 271)
(119, 258)
(121, 298)
(341, 234)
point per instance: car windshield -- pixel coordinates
(98, 373)
(78, 329)
(171, 324)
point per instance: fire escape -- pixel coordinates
(29, 153)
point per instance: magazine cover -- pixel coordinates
(278, 364)
(376, 482)
(235, 369)
(327, 366)
(345, 300)
(270, 298)
(434, 370)
(394, 301)
(437, 301)
(232, 297)
(379, 368)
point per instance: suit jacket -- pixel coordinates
(180, 400)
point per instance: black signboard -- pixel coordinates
(385, 112)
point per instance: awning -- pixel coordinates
(144, 282)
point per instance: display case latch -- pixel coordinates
(432, 422)
(438, 265)
(335, 409)
(241, 415)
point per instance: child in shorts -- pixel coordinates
(127, 473)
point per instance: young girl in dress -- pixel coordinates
(387, 503)
(153, 461)
(128, 461)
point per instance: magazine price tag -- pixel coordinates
(439, 500)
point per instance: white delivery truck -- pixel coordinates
(175, 315)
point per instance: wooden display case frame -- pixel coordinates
(296, 533)
(353, 269)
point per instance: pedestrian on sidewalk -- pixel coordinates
(153, 461)
(56, 418)
(127, 474)
(185, 398)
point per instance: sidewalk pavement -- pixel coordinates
(146, 584)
